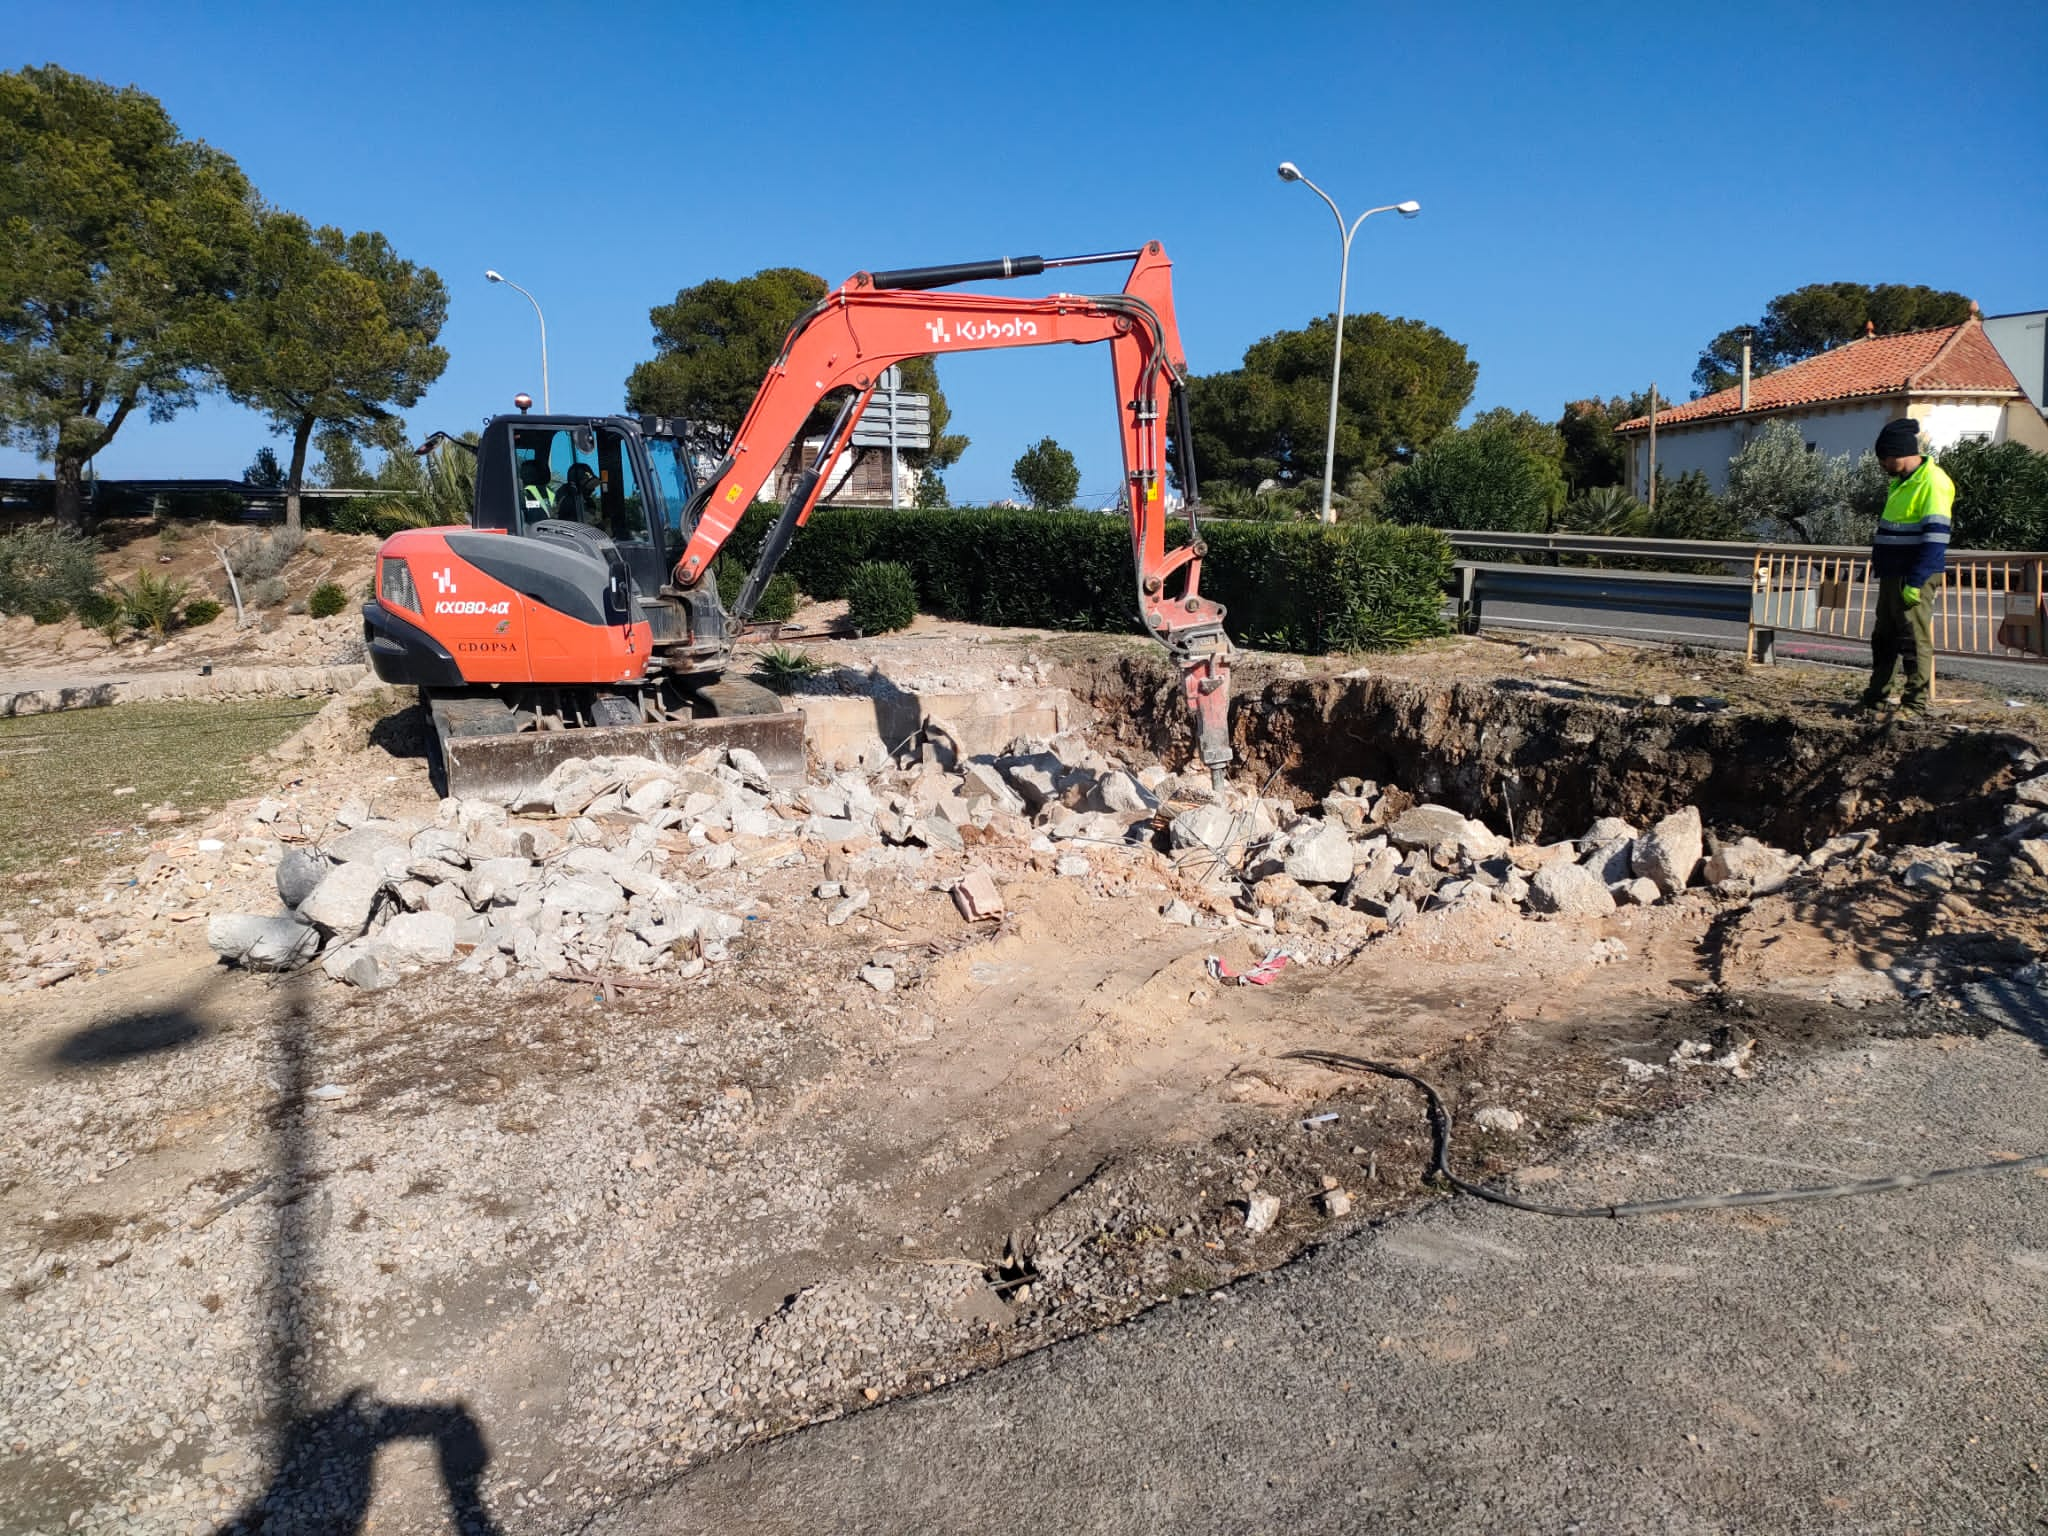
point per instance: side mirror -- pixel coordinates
(585, 440)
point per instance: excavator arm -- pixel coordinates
(875, 319)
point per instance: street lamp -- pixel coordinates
(1290, 172)
(546, 406)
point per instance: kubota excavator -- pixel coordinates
(578, 615)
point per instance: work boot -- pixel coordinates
(1916, 705)
(1870, 705)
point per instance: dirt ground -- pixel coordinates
(39, 655)
(528, 1250)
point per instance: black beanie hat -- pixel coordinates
(1899, 440)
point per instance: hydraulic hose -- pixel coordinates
(1440, 1163)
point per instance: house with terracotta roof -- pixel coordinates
(1953, 379)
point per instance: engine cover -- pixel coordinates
(509, 610)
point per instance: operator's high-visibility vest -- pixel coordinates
(540, 497)
(1912, 537)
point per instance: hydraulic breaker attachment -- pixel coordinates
(1206, 682)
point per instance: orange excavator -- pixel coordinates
(578, 613)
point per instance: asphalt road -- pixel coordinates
(1870, 1365)
(2029, 678)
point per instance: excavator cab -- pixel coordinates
(612, 486)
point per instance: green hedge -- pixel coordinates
(1300, 587)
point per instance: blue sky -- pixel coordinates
(1603, 189)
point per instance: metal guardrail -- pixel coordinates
(1734, 553)
(1668, 593)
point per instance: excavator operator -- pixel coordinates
(536, 487)
(577, 500)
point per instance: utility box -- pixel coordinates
(2021, 632)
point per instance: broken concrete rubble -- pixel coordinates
(342, 901)
(1569, 890)
(1320, 855)
(1748, 867)
(1670, 851)
(261, 943)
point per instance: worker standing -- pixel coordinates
(1907, 556)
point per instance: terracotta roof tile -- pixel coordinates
(1951, 357)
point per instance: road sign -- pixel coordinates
(899, 418)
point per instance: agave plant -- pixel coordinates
(780, 667)
(1607, 510)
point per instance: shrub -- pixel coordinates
(1478, 478)
(778, 599)
(2001, 495)
(99, 610)
(780, 666)
(328, 599)
(52, 610)
(355, 515)
(881, 596)
(732, 575)
(202, 610)
(257, 557)
(1607, 510)
(1687, 508)
(268, 593)
(151, 603)
(1296, 586)
(45, 565)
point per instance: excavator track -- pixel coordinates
(494, 743)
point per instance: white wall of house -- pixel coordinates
(1833, 430)
(1944, 423)
(1853, 429)
(1680, 450)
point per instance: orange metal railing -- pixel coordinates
(1989, 605)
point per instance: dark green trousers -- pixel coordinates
(1904, 637)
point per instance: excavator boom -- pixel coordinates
(875, 319)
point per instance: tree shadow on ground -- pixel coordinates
(135, 1033)
(1899, 932)
(127, 1036)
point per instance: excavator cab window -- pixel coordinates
(584, 475)
(672, 480)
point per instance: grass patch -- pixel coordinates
(58, 774)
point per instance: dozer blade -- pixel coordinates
(485, 753)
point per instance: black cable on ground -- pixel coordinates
(1440, 1163)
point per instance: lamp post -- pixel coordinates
(546, 406)
(1290, 172)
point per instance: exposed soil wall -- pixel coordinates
(1543, 760)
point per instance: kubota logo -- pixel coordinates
(981, 330)
(444, 578)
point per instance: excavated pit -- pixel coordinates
(1541, 759)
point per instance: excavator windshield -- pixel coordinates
(582, 475)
